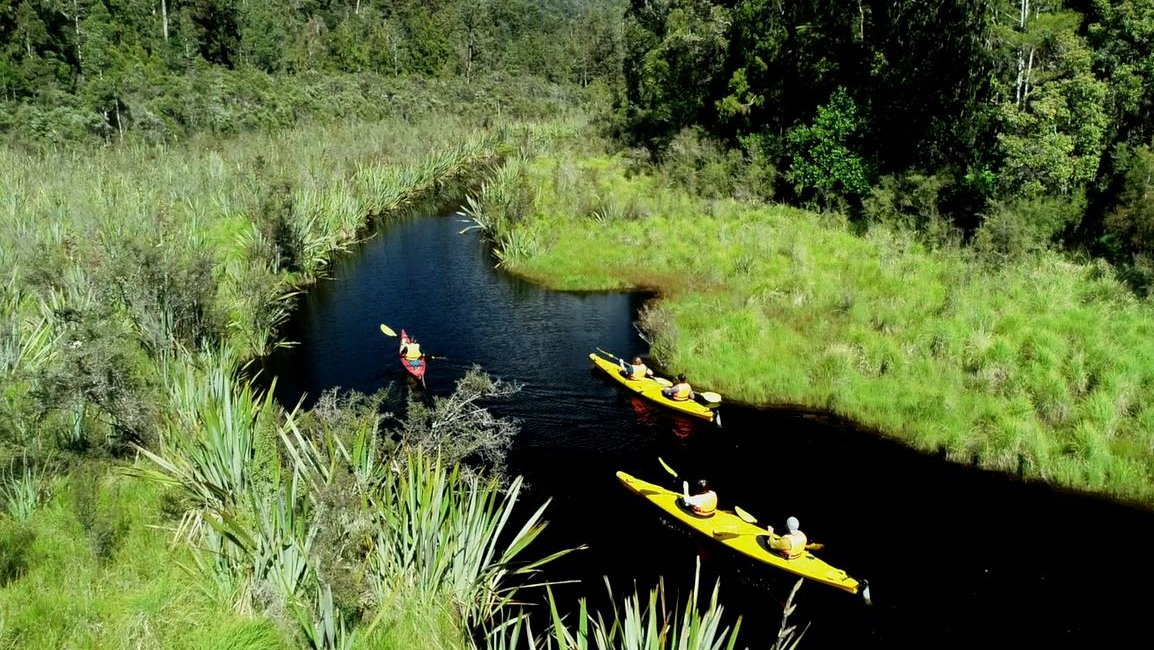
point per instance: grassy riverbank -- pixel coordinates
(89, 568)
(150, 496)
(126, 265)
(1038, 365)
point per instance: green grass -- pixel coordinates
(267, 211)
(1044, 365)
(135, 596)
(126, 264)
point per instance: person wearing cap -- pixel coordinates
(704, 503)
(635, 370)
(681, 391)
(792, 544)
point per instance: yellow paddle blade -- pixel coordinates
(745, 516)
(728, 530)
(663, 381)
(387, 330)
(711, 397)
(667, 467)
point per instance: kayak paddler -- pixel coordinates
(635, 370)
(681, 391)
(704, 503)
(791, 544)
(412, 352)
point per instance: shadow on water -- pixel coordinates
(956, 557)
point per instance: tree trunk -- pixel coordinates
(76, 28)
(1029, 71)
(164, 18)
(1023, 14)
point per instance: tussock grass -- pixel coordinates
(265, 212)
(1042, 366)
(139, 597)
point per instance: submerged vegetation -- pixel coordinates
(1039, 365)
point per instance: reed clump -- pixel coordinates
(338, 531)
(652, 622)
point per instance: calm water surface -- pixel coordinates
(956, 558)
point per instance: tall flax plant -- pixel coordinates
(503, 200)
(22, 487)
(255, 532)
(641, 625)
(422, 532)
(26, 343)
(443, 538)
(209, 445)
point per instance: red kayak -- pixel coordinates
(417, 368)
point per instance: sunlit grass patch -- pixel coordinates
(138, 597)
(1041, 366)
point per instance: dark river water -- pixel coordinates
(955, 557)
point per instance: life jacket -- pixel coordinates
(707, 504)
(797, 542)
(412, 351)
(681, 392)
(637, 372)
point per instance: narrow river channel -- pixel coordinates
(956, 557)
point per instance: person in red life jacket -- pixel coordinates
(791, 544)
(635, 370)
(704, 503)
(681, 391)
(412, 352)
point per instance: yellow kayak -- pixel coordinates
(651, 389)
(729, 529)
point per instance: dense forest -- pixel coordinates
(102, 68)
(1015, 123)
(1022, 123)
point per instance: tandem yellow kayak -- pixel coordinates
(651, 389)
(729, 529)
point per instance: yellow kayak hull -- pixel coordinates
(650, 389)
(729, 529)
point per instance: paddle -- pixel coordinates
(388, 331)
(684, 485)
(611, 355)
(750, 519)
